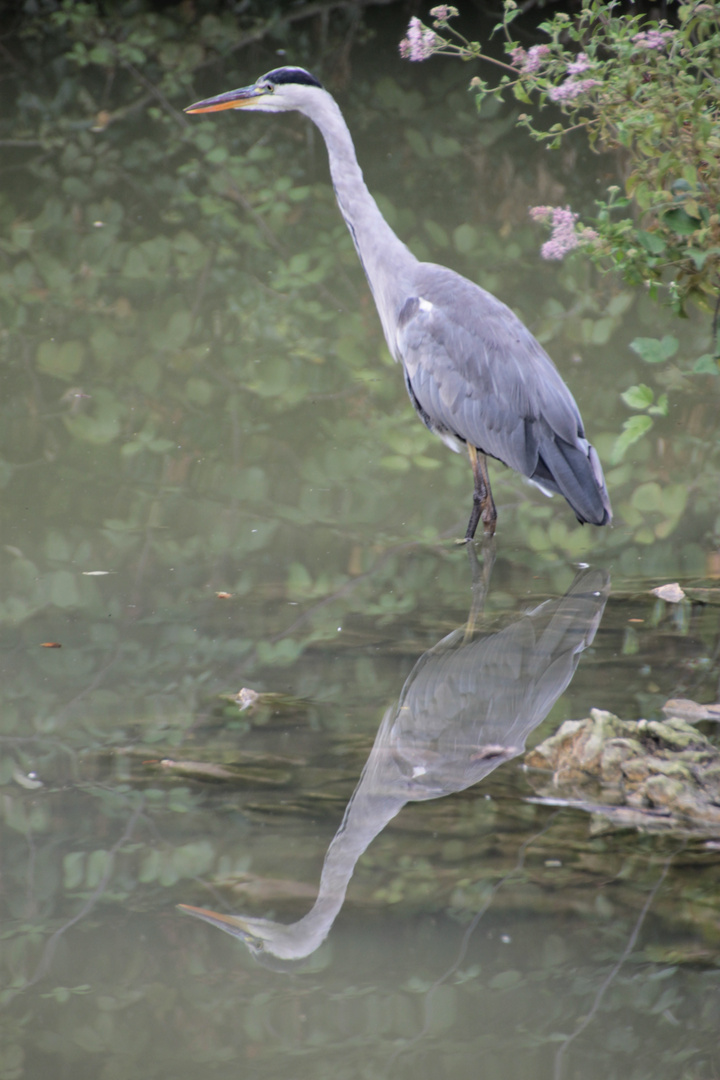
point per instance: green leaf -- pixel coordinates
(638, 397)
(633, 429)
(178, 329)
(63, 361)
(680, 222)
(521, 94)
(698, 257)
(98, 864)
(73, 869)
(651, 242)
(199, 391)
(217, 155)
(444, 147)
(465, 238)
(63, 589)
(648, 497)
(706, 365)
(655, 350)
(661, 409)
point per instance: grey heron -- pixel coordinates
(475, 374)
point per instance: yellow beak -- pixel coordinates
(232, 924)
(233, 99)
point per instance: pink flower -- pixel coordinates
(444, 12)
(578, 65)
(535, 57)
(563, 238)
(541, 213)
(419, 42)
(530, 60)
(571, 89)
(653, 39)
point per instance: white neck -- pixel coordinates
(387, 262)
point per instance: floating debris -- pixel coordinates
(672, 593)
(691, 711)
(263, 771)
(256, 700)
(246, 698)
(29, 781)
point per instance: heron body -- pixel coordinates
(475, 374)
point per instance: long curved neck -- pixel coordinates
(387, 262)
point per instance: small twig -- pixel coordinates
(465, 941)
(306, 12)
(22, 142)
(610, 977)
(156, 92)
(202, 283)
(715, 327)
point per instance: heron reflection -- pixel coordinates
(468, 705)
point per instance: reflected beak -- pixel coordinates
(231, 924)
(233, 99)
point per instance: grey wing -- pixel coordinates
(474, 371)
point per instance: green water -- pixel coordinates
(244, 498)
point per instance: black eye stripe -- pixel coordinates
(282, 75)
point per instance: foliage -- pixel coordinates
(645, 90)
(641, 87)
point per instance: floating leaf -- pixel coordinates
(706, 365)
(655, 350)
(633, 429)
(638, 397)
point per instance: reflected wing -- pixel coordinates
(467, 706)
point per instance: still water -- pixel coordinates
(413, 899)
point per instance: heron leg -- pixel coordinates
(483, 503)
(480, 582)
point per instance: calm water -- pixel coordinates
(425, 915)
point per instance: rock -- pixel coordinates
(666, 773)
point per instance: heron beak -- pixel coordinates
(233, 99)
(231, 924)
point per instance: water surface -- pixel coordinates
(277, 519)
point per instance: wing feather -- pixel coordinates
(476, 372)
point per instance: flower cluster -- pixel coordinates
(652, 39)
(443, 12)
(419, 42)
(571, 89)
(532, 59)
(564, 234)
(578, 65)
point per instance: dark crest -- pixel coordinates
(292, 75)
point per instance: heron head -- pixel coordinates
(268, 941)
(281, 90)
(249, 931)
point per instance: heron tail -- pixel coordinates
(576, 473)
